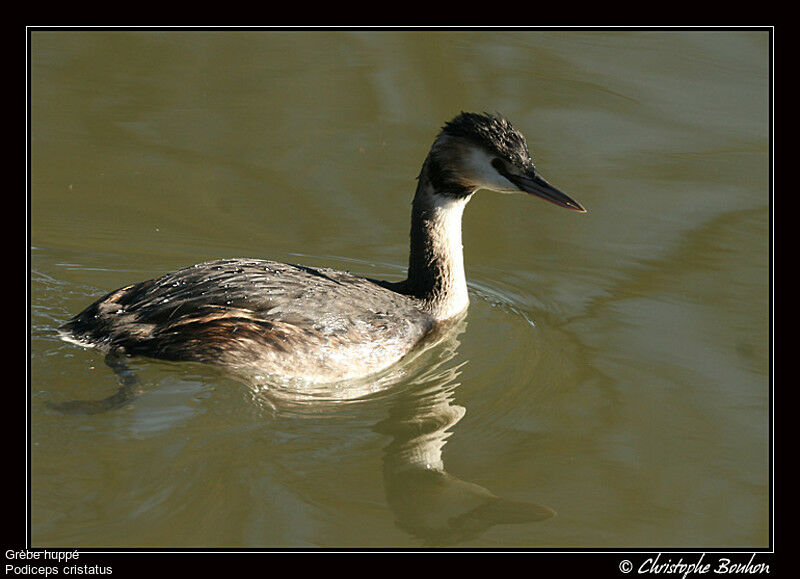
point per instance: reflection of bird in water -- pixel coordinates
(427, 501)
(315, 324)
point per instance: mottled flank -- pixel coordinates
(258, 317)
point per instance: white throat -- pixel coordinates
(446, 227)
(436, 268)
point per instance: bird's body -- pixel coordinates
(259, 317)
(317, 324)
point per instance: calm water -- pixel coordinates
(613, 367)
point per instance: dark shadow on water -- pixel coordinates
(129, 388)
(428, 502)
(419, 415)
(414, 403)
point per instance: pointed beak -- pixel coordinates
(535, 185)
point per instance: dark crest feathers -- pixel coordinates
(492, 131)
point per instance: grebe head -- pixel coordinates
(483, 151)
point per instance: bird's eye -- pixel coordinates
(500, 167)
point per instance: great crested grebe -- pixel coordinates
(318, 324)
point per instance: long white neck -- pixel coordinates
(436, 262)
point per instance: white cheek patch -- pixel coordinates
(477, 166)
